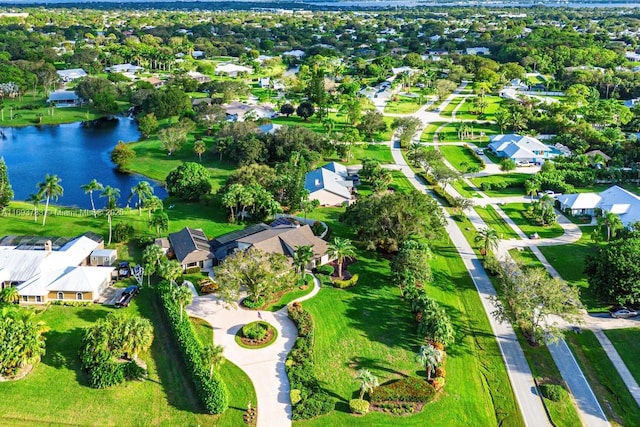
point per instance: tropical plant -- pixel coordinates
(183, 296)
(302, 257)
(341, 249)
(367, 381)
(6, 192)
(213, 357)
(430, 358)
(160, 221)
(169, 269)
(9, 295)
(199, 147)
(50, 189)
(34, 199)
(112, 195)
(153, 203)
(489, 240)
(23, 342)
(144, 191)
(151, 256)
(609, 222)
(94, 185)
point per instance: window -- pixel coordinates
(79, 296)
(60, 295)
(25, 298)
(38, 298)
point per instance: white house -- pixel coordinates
(43, 271)
(71, 74)
(296, 52)
(328, 185)
(124, 68)
(232, 69)
(64, 98)
(615, 199)
(478, 51)
(521, 148)
(238, 111)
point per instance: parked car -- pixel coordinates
(124, 270)
(524, 164)
(623, 313)
(479, 151)
(127, 295)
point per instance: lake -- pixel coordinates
(76, 152)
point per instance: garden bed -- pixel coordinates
(270, 335)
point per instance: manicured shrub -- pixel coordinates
(441, 372)
(326, 269)
(212, 391)
(404, 390)
(437, 383)
(359, 406)
(552, 391)
(106, 374)
(254, 330)
(249, 303)
(295, 396)
(193, 270)
(313, 401)
(344, 284)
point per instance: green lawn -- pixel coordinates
(403, 105)
(515, 184)
(448, 110)
(350, 336)
(429, 131)
(515, 212)
(568, 260)
(495, 221)
(56, 392)
(627, 343)
(526, 257)
(460, 157)
(464, 189)
(450, 133)
(379, 152)
(464, 113)
(614, 397)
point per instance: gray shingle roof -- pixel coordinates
(190, 245)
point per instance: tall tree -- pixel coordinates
(112, 195)
(50, 189)
(160, 221)
(143, 190)
(609, 222)
(151, 256)
(613, 271)
(6, 192)
(199, 147)
(302, 257)
(367, 381)
(528, 299)
(341, 249)
(183, 296)
(34, 199)
(94, 185)
(169, 269)
(489, 240)
(121, 154)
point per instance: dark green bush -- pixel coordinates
(249, 303)
(405, 390)
(254, 330)
(212, 391)
(326, 269)
(313, 401)
(122, 232)
(132, 371)
(344, 284)
(106, 374)
(552, 391)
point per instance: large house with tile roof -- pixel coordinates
(614, 199)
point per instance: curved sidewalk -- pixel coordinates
(265, 367)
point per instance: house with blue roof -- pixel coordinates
(329, 185)
(522, 148)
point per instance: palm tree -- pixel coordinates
(341, 249)
(94, 185)
(367, 380)
(489, 238)
(151, 256)
(611, 222)
(35, 199)
(532, 187)
(144, 191)
(169, 270)
(51, 189)
(183, 297)
(112, 195)
(430, 358)
(151, 204)
(160, 221)
(302, 257)
(9, 295)
(199, 147)
(212, 356)
(140, 336)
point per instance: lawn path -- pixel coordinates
(620, 366)
(264, 366)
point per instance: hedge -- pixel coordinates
(212, 391)
(404, 390)
(312, 400)
(436, 188)
(359, 406)
(552, 391)
(344, 284)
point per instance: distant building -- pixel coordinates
(478, 51)
(329, 185)
(522, 148)
(64, 98)
(232, 69)
(124, 68)
(297, 53)
(71, 74)
(199, 77)
(615, 199)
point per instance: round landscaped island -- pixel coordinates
(256, 335)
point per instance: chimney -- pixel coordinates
(317, 182)
(47, 246)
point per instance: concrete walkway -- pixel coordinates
(620, 366)
(265, 366)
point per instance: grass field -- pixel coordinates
(429, 131)
(614, 397)
(478, 390)
(448, 110)
(464, 113)
(379, 152)
(515, 182)
(515, 212)
(568, 260)
(56, 392)
(403, 105)
(627, 344)
(495, 221)
(450, 133)
(460, 157)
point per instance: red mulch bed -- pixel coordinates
(254, 343)
(346, 275)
